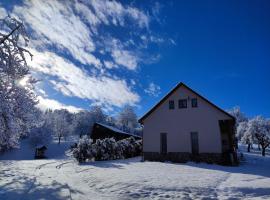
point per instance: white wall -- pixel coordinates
(178, 124)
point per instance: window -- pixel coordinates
(194, 103)
(171, 104)
(182, 103)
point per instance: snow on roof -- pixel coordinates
(116, 129)
(41, 147)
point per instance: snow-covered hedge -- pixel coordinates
(106, 149)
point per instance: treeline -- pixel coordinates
(61, 124)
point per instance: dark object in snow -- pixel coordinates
(40, 152)
(74, 145)
(102, 131)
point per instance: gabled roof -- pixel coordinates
(171, 92)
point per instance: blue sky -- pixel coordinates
(133, 52)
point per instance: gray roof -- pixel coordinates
(117, 130)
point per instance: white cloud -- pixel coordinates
(115, 13)
(45, 103)
(110, 64)
(73, 81)
(152, 90)
(172, 41)
(56, 22)
(3, 13)
(121, 56)
(142, 18)
(125, 58)
(74, 30)
(42, 92)
(87, 14)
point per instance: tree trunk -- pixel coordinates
(263, 151)
(248, 149)
(59, 139)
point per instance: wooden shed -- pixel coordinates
(40, 152)
(101, 131)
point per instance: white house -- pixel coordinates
(185, 126)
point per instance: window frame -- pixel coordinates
(184, 105)
(171, 105)
(192, 101)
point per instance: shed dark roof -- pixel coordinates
(114, 129)
(172, 91)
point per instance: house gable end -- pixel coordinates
(166, 97)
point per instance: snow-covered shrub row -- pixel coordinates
(106, 149)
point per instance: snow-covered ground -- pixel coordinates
(63, 178)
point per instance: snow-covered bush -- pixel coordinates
(130, 147)
(83, 151)
(106, 149)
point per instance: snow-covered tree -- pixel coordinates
(257, 130)
(98, 115)
(40, 135)
(127, 119)
(246, 134)
(62, 124)
(111, 121)
(241, 129)
(83, 123)
(17, 97)
(239, 116)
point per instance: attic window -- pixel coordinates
(171, 104)
(194, 103)
(182, 103)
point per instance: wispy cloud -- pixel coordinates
(3, 12)
(112, 12)
(73, 81)
(125, 58)
(58, 26)
(78, 57)
(152, 90)
(45, 103)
